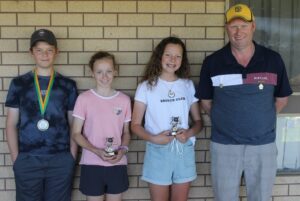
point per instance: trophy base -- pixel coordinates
(173, 133)
(110, 153)
(113, 153)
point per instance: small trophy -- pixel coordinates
(175, 121)
(109, 146)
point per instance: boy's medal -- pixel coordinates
(43, 124)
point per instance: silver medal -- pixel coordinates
(261, 86)
(43, 125)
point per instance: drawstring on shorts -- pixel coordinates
(176, 146)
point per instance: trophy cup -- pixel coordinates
(109, 146)
(175, 121)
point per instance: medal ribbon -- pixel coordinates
(43, 103)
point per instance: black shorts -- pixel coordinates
(99, 180)
(43, 177)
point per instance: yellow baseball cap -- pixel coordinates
(241, 11)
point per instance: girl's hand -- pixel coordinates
(103, 155)
(116, 158)
(182, 135)
(162, 138)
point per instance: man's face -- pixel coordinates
(240, 33)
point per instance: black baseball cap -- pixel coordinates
(43, 35)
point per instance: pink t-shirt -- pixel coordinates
(103, 117)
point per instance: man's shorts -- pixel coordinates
(257, 162)
(99, 180)
(170, 163)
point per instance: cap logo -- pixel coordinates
(238, 9)
(41, 33)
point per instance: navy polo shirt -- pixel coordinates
(243, 99)
(22, 95)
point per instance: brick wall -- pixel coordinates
(129, 29)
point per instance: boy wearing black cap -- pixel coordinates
(39, 105)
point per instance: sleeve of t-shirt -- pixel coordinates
(12, 98)
(192, 91)
(205, 87)
(128, 111)
(283, 88)
(72, 96)
(141, 93)
(79, 108)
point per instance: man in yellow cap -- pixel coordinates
(242, 87)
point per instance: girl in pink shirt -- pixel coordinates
(101, 128)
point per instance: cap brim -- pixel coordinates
(238, 17)
(41, 40)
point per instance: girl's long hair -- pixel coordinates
(154, 67)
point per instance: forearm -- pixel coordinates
(280, 103)
(206, 105)
(12, 141)
(73, 145)
(83, 142)
(125, 139)
(73, 148)
(141, 132)
(12, 132)
(195, 129)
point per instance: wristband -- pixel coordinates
(124, 148)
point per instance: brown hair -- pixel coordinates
(154, 68)
(101, 55)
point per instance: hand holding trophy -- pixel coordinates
(110, 151)
(175, 121)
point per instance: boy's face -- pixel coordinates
(44, 54)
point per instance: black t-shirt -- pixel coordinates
(22, 95)
(243, 109)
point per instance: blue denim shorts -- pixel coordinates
(170, 163)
